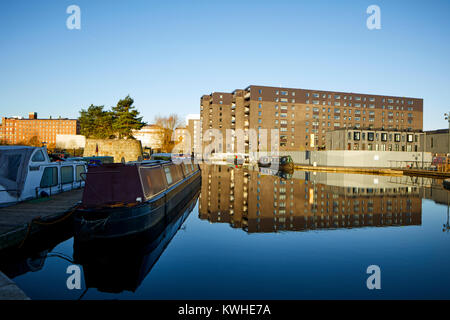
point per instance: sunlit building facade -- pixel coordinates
(302, 116)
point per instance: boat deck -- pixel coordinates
(15, 220)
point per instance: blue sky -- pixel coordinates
(166, 54)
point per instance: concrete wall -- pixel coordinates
(129, 150)
(370, 159)
(437, 143)
(70, 141)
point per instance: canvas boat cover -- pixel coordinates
(13, 168)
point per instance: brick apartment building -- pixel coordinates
(303, 116)
(18, 130)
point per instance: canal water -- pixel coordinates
(250, 234)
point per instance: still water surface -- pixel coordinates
(250, 235)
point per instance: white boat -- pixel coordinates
(27, 173)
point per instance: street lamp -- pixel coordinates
(447, 117)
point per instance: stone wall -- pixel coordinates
(129, 150)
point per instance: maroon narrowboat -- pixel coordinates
(125, 199)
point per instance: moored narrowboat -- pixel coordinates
(123, 199)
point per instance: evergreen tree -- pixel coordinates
(126, 118)
(96, 123)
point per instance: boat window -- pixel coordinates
(38, 157)
(186, 169)
(168, 175)
(80, 169)
(152, 180)
(66, 174)
(49, 177)
(10, 166)
(176, 173)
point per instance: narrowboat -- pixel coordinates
(27, 173)
(131, 257)
(282, 163)
(121, 199)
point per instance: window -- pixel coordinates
(410, 138)
(66, 174)
(80, 169)
(153, 180)
(397, 137)
(168, 175)
(370, 136)
(356, 136)
(49, 177)
(38, 156)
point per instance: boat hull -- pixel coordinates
(122, 221)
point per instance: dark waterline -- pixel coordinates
(255, 250)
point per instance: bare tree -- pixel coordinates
(168, 124)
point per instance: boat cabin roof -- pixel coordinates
(132, 182)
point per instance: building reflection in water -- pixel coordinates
(259, 202)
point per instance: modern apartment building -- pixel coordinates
(16, 130)
(257, 202)
(193, 127)
(377, 140)
(302, 116)
(189, 135)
